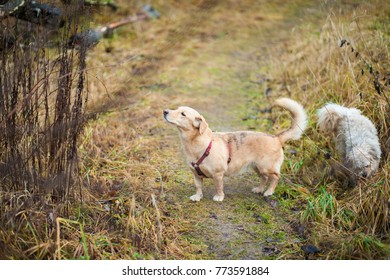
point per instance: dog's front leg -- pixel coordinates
(198, 185)
(218, 182)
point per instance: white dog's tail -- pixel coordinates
(299, 119)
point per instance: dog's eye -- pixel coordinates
(182, 113)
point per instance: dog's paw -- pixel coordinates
(268, 193)
(218, 197)
(257, 190)
(196, 197)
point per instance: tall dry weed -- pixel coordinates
(42, 101)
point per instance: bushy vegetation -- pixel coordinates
(42, 114)
(346, 61)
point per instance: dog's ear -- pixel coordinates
(201, 124)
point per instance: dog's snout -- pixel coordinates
(364, 174)
(165, 112)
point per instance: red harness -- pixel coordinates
(205, 154)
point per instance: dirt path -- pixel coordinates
(218, 79)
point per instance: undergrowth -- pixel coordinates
(345, 61)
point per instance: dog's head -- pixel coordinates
(362, 161)
(187, 120)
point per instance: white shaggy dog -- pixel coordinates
(355, 137)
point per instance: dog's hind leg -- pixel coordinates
(263, 184)
(218, 181)
(273, 172)
(274, 182)
(198, 185)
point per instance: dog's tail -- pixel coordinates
(299, 119)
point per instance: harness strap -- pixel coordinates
(230, 153)
(205, 154)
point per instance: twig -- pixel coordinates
(159, 225)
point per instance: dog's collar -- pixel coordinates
(206, 154)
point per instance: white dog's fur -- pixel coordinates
(261, 151)
(355, 137)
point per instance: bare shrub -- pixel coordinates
(42, 101)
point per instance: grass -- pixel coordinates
(229, 60)
(337, 74)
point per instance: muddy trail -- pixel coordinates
(223, 80)
(218, 79)
(215, 57)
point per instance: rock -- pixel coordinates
(270, 250)
(272, 202)
(310, 249)
(260, 219)
(213, 216)
(292, 151)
